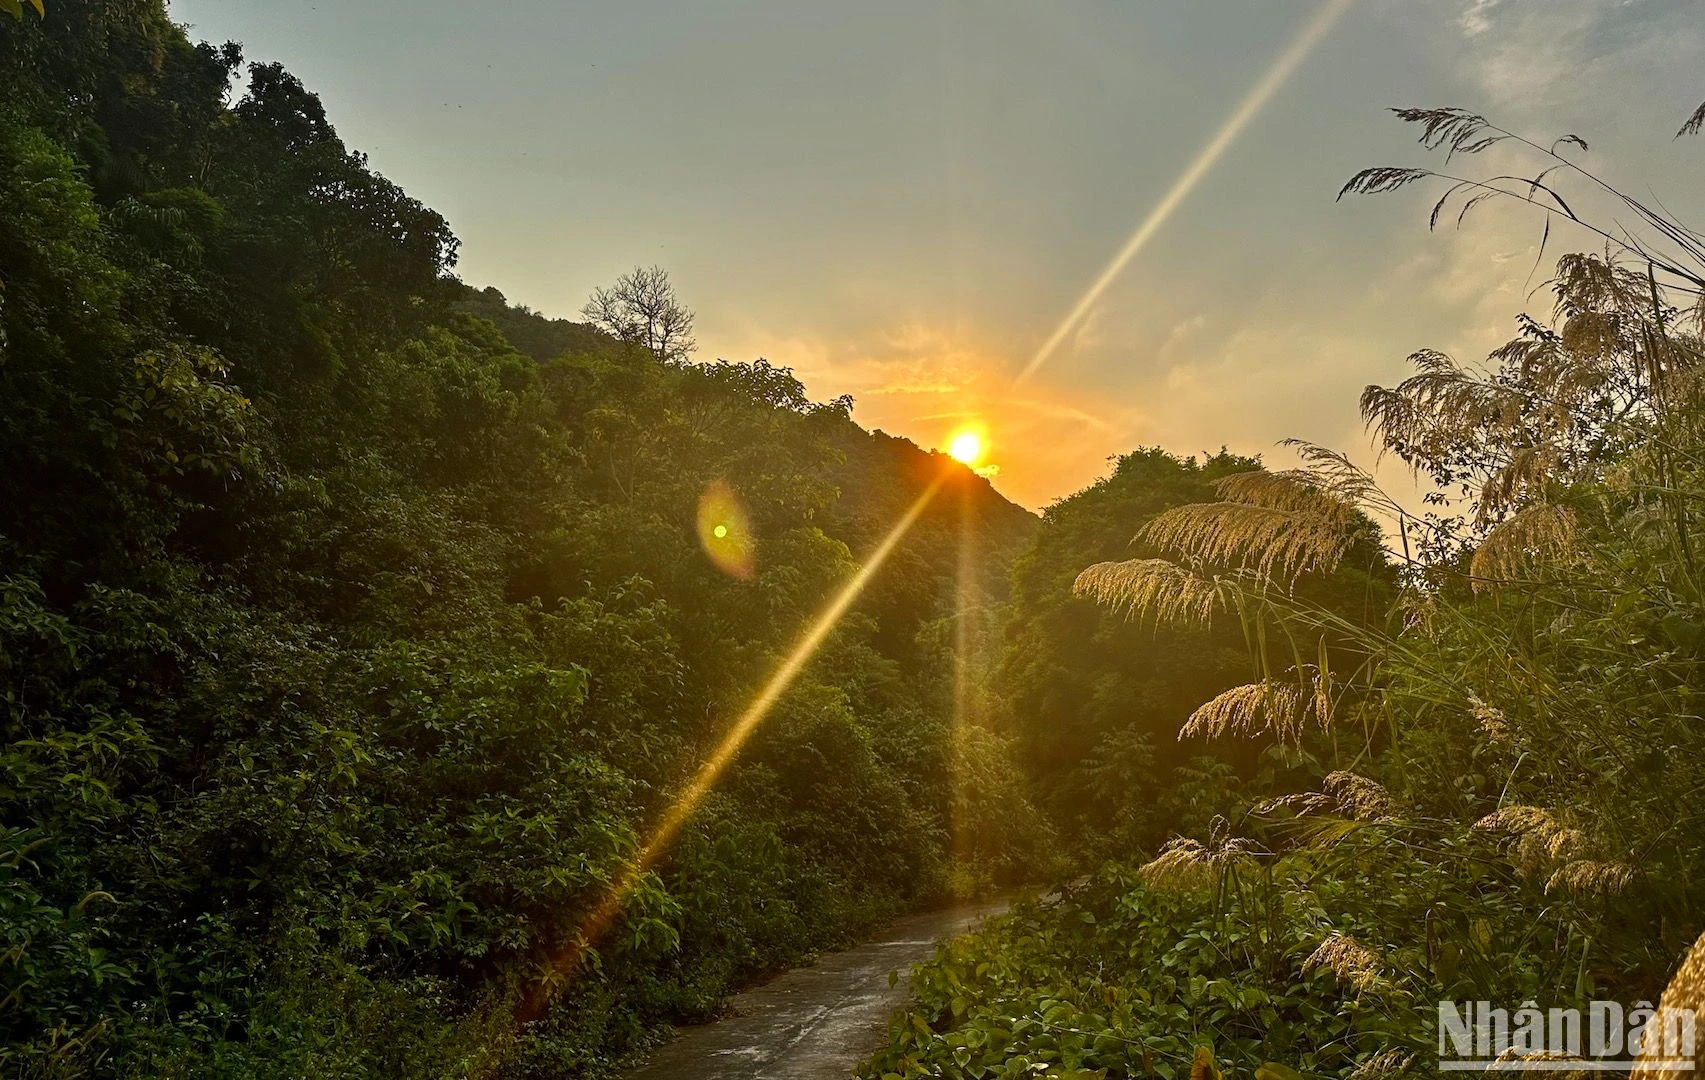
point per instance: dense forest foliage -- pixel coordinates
(358, 628)
(1500, 755)
(1095, 699)
(355, 624)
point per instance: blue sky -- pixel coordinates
(902, 199)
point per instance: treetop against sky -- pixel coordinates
(904, 201)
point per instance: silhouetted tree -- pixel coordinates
(642, 309)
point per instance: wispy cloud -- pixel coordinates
(1180, 333)
(1533, 56)
(1478, 18)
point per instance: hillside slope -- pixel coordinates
(356, 626)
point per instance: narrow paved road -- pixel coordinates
(813, 1023)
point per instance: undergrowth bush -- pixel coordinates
(1500, 767)
(356, 629)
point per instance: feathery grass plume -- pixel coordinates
(1182, 864)
(1381, 179)
(1383, 1065)
(1346, 803)
(1419, 610)
(1686, 990)
(1541, 838)
(1439, 409)
(1515, 819)
(1151, 588)
(1592, 335)
(1694, 122)
(1353, 963)
(1251, 709)
(1302, 804)
(1547, 412)
(1490, 719)
(1332, 473)
(1513, 1059)
(1666, 247)
(1458, 131)
(1266, 522)
(1617, 338)
(1589, 877)
(1538, 533)
(1187, 863)
(1341, 792)
(1552, 404)
(1524, 472)
(1357, 796)
(1319, 686)
(1589, 284)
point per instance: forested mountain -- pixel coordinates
(363, 638)
(355, 625)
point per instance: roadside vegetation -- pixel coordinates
(356, 625)
(1489, 788)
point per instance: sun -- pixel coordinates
(966, 448)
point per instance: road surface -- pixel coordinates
(813, 1023)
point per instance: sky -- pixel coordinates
(903, 199)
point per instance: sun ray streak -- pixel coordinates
(535, 1002)
(959, 802)
(1262, 92)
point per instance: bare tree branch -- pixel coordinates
(641, 308)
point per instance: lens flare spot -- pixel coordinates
(966, 448)
(725, 532)
(543, 991)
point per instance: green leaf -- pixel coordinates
(1272, 1070)
(12, 8)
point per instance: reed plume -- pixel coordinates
(1187, 863)
(1269, 523)
(1152, 588)
(1383, 1065)
(1353, 963)
(1551, 844)
(1540, 534)
(1686, 990)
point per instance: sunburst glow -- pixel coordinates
(966, 448)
